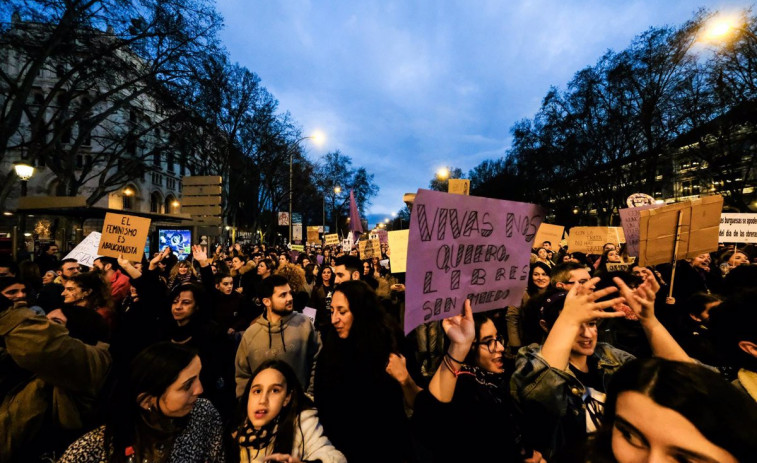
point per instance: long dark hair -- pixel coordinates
(319, 280)
(151, 373)
(478, 319)
(531, 288)
(724, 416)
(288, 416)
(373, 333)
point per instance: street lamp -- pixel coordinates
(24, 172)
(443, 173)
(318, 138)
(337, 190)
(721, 26)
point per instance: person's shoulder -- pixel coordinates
(204, 412)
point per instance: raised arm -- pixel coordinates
(461, 332)
(580, 307)
(641, 300)
(397, 369)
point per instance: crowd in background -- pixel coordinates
(248, 353)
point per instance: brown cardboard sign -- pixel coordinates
(699, 230)
(124, 234)
(313, 236)
(591, 240)
(369, 248)
(459, 186)
(549, 232)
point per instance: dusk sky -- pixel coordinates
(405, 87)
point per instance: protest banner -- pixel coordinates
(369, 249)
(398, 250)
(458, 186)
(690, 227)
(299, 248)
(549, 232)
(310, 313)
(738, 228)
(383, 236)
(591, 240)
(313, 234)
(346, 245)
(85, 252)
(466, 247)
(629, 220)
(124, 235)
(332, 239)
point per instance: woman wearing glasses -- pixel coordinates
(469, 394)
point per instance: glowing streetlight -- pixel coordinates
(724, 26)
(442, 173)
(317, 137)
(386, 220)
(24, 170)
(128, 191)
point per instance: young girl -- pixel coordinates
(277, 422)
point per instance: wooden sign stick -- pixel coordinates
(675, 252)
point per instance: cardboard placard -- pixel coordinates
(699, 230)
(297, 247)
(629, 219)
(383, 236)
(310, 313)
(85, 252)
(124, 235)
(458, 186)
(738, 228)
(369, 249)
(466, 247)
(591, 240)
(331, 240)
(549, 232)
(346, 245)
(398, 250)
(313, 235)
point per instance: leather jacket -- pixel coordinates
(551, 400)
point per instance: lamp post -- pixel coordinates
(318, 138)
(24, 172)
(337, 190)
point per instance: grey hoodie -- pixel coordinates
(293, 340)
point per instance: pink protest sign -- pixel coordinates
(466, 247)
(629, 219)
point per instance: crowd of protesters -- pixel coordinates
(247, 353)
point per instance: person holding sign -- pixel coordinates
(469, 393)
(561, 385)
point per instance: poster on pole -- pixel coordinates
(591, 240)
(699, 230)
(297, 232)
(283, 218)
(629, 220)
(466, 247)
(124, 235)
(398, 250)
(738, 228)
(549, 232)
(85, 252)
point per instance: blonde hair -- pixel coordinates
(294, 274)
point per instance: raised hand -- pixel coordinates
(581, 306)
(460, 329)
(199, 254)
(123, 263)
(640, 300)
(397, 368)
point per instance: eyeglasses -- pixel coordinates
(491, 344)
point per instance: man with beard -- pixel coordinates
(279, 333)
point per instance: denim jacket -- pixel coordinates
(551, 400)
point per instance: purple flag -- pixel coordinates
(356, 226)
(466, 247)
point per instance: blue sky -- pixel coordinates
(405, 87)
